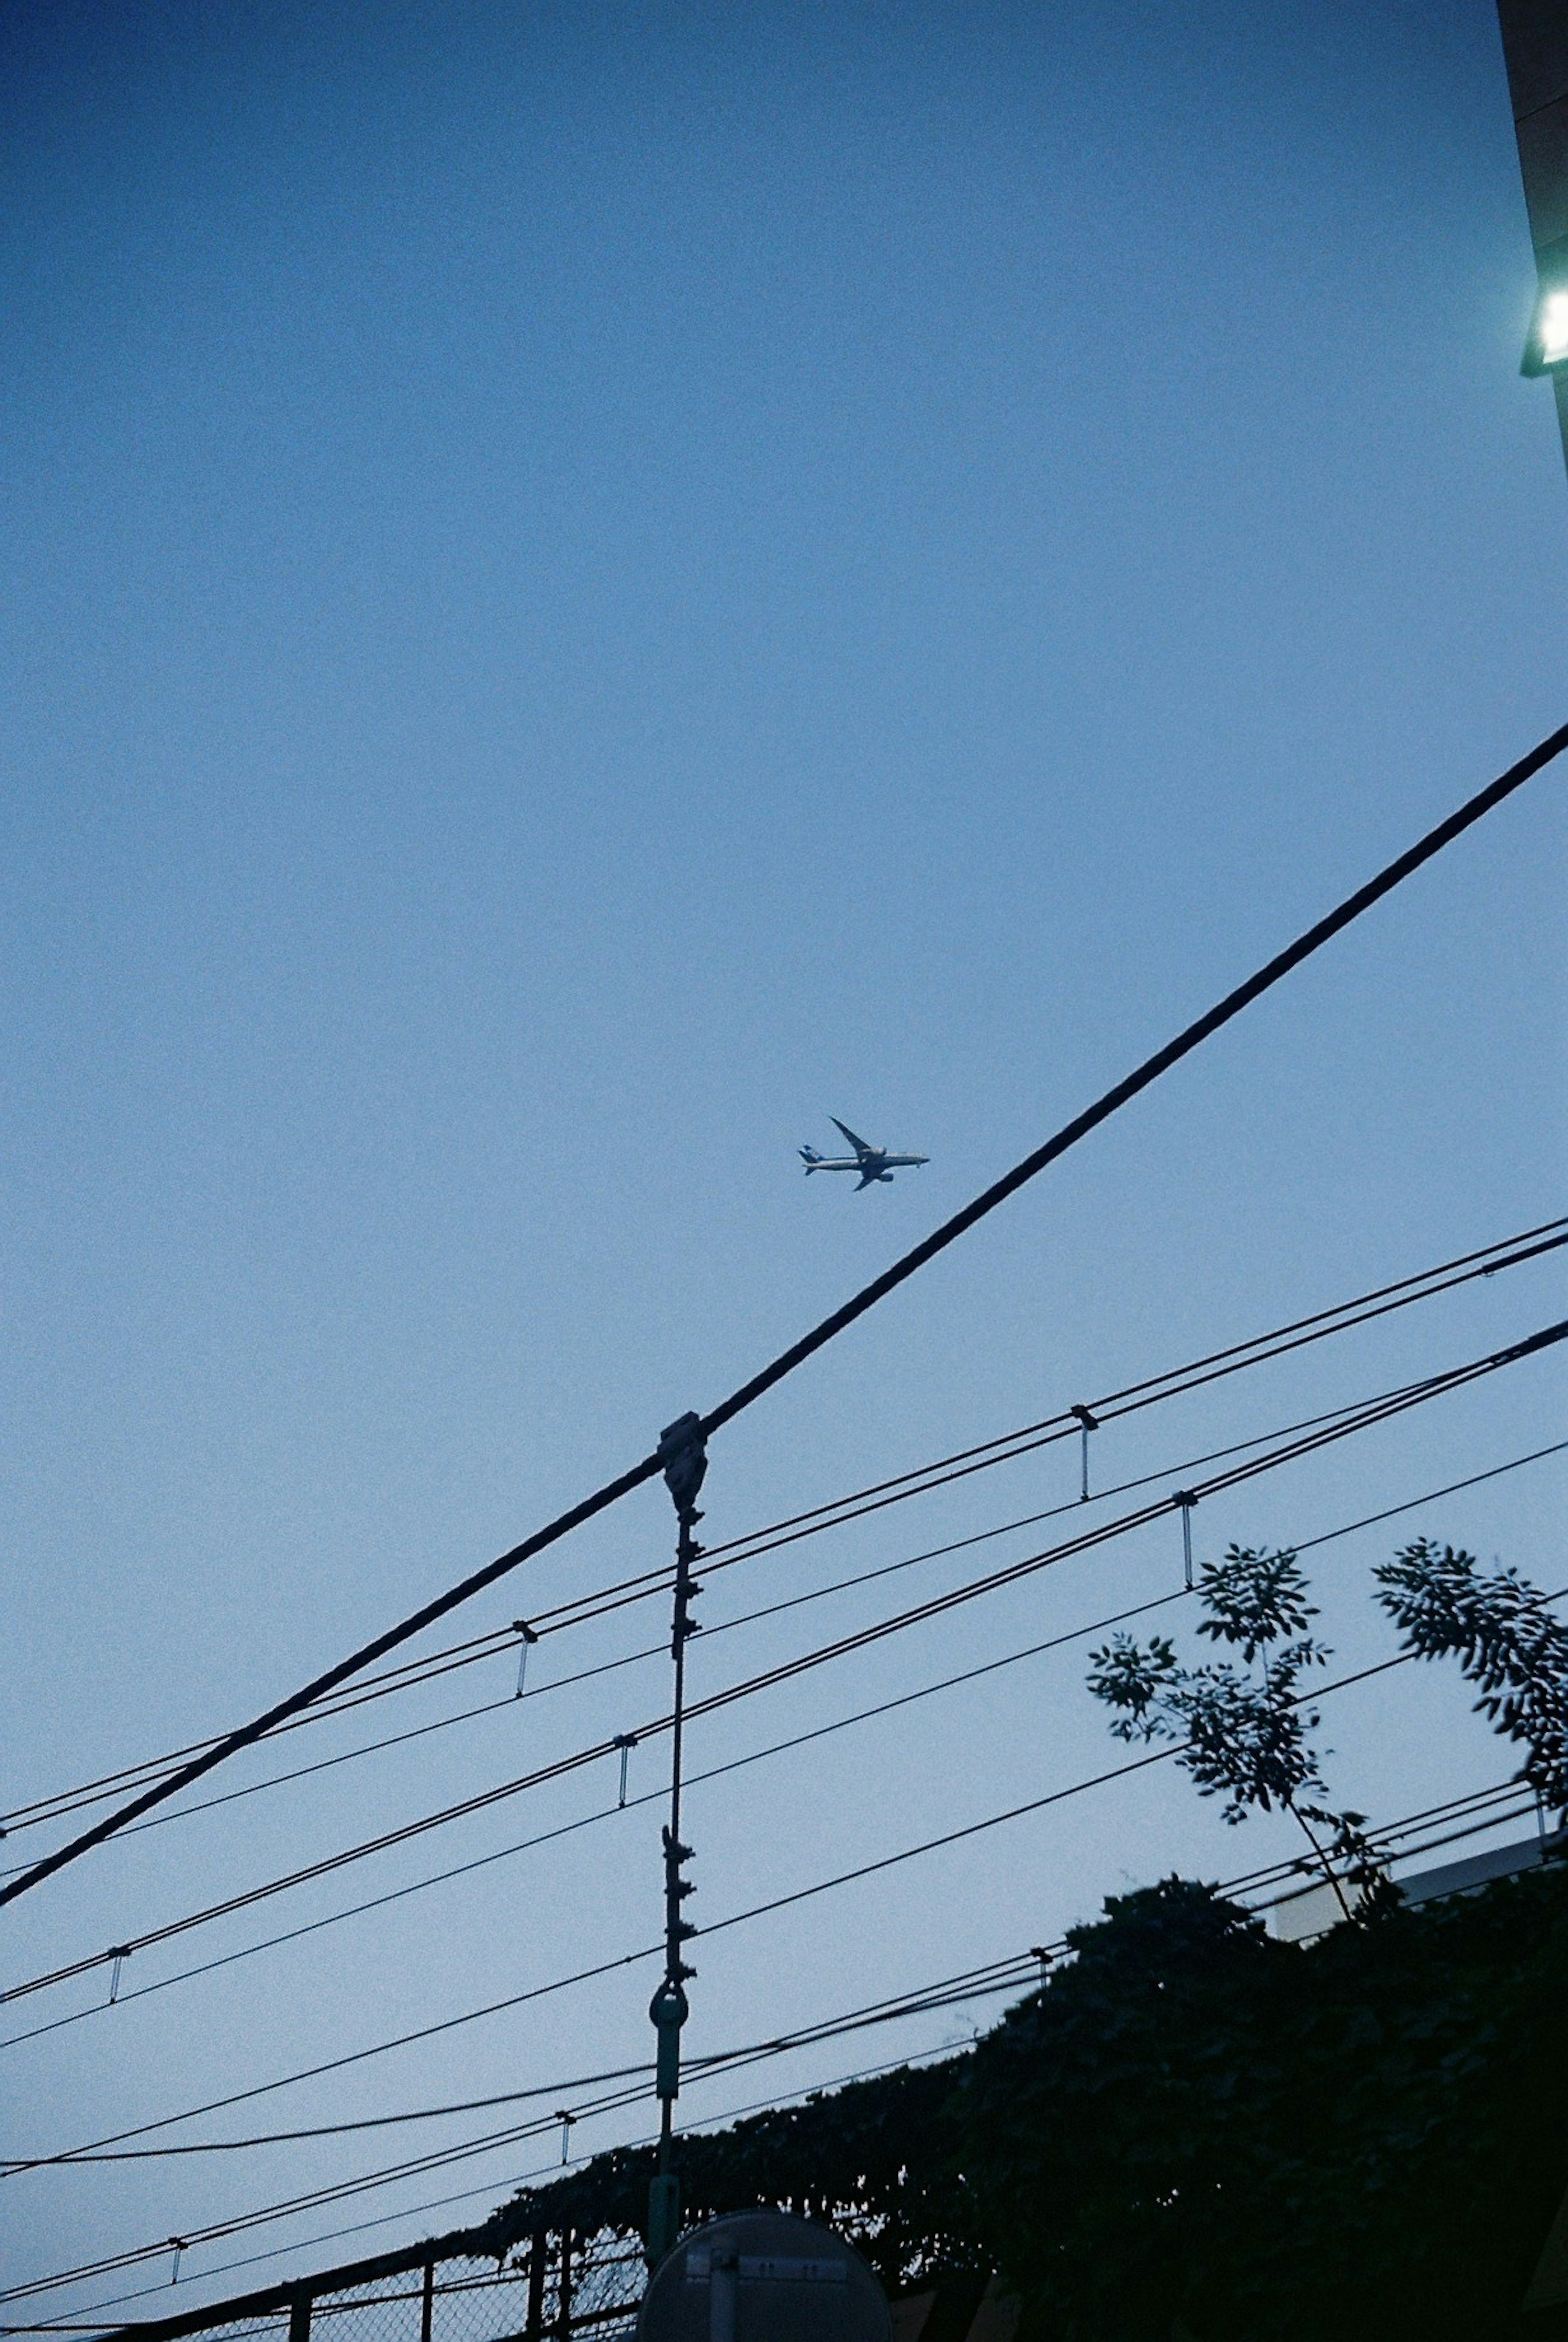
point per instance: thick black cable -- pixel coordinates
(1121, 1093)
(416, 1624)
(1321, 932)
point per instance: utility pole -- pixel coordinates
(685, 1457)
(1536, 51)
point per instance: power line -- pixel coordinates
(1121, 1093)
(992, 1974)
(415, 2211)
(991, 1979)
(795, 1741)
(1364, 1415)
(1476, 1811)
(1023, 1963)
(736, 1764)
(720, 1927)
(1303, 1439)
(745, 1618)
(920, 1480)
(1176, 1382)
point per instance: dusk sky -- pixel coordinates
(586, 587)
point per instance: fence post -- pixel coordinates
(535, 2324)
(299, 2318)
(565, 2288)
(427, 2302)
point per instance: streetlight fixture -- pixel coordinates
(1536, 52)
(1546, 344)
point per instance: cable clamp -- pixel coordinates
(683, 1452)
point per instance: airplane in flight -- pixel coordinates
(872, 1163)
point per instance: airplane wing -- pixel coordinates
(859, 1145)
(868, 1179)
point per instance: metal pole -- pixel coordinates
(685, 1461)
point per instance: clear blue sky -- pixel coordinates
(585, 588)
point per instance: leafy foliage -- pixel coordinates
(1195, 2128)
(1195, 2125)
(1242, 1735)
(1505, 1639)
(1254, 1598)
(877, 2160)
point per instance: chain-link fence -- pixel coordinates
(555, 2283)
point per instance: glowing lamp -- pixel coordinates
(1547, 346)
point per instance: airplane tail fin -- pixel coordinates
(811, 1159)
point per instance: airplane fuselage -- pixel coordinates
(873, 1164)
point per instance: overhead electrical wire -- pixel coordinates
(752, 1757)
(796, 1740)
(992, 1974)
(990, 1980)
(1475, 1812)
(1485, 1262)
(1118, 1095)
(720, 1927)
(466, 2194)
(769, 1610)
(1021, 1965)
(1178, 1382)
(1314, 1434)
(433, 2159)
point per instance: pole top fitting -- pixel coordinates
(683, 1452)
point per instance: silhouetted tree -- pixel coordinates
(1506, 1640)
(1242, 1730)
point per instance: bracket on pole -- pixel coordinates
(1186, 1498)
(1086, 1424)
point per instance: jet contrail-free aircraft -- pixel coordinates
(872, 1163)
